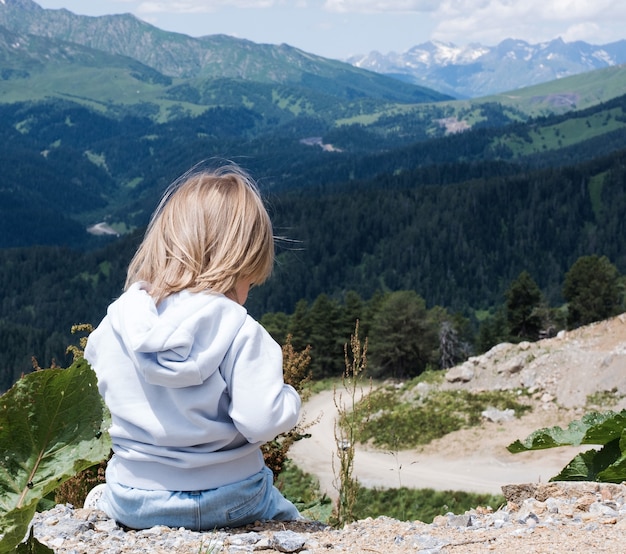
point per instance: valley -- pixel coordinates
(404, 188)
(443, 207)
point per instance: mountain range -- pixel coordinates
(468, 71)
(476, 70)
(369, 177)
(93, 89)
(32, 36)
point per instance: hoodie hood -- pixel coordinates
(181, 342)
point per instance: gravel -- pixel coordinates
(550, 517)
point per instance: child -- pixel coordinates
(193, 383)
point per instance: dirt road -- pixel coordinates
(563, 372)
(473, 460)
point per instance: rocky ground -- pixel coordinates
(561, 372)
(542, 518)
(566, 376)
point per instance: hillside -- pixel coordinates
(182, 59)
(455, 232)
(112, 61)
(375, 189)
(575, 92)
(564, 377)
(127, 160)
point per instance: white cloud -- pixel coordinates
(489, 21)
(474, 17)
(582, 31)
(386, 6)
(199, 6)
(567, 10)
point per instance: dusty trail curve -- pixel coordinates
(473, 460)
(559, 373)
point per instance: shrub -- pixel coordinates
(397, 424)
(419, 504)
(296, 373)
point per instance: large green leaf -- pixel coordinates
(607, 429)
(593, 428)
(51, 427)
(616, 472)
(14, 524)
(590, 465)
(32, 546)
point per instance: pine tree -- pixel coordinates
(523, 308)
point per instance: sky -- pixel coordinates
(339, 29)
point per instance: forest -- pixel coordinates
(457, 246)
(451, 222)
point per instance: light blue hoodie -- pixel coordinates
(194, 388)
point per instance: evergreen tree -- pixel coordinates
(327, 357)
(523, 308)
(403, 341)
(493, 330)
(370, 309)
(300, 326)
(351, 311)
(277, 325)
(591, 288)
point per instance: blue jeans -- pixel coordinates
(244, 502)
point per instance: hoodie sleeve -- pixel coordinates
(262, 405)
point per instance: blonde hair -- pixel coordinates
(210, 230)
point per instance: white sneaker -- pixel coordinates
(93, 498)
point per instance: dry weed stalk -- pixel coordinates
(349, 426)
(78, 351)
(75, 490)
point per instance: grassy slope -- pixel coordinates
(575, 92)
(556, 97)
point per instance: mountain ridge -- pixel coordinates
(476, 70)
(214, 56)
(438, 69)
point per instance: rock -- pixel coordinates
(514, 365)
(498, 416)
(572, 518)
(287, 541)
(246, 538)
(561, 489)
(462, 373)
(427, 544)
(464, 520)
(528, 380)
(497, 349)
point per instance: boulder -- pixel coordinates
(460, 373)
